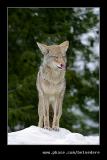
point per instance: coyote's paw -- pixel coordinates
(48, 128)
(55, 128)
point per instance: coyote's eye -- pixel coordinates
(56, 57)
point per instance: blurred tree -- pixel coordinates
(80, 26)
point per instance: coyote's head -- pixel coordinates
(55, 55)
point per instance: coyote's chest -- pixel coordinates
(51, 84)
(50, 88)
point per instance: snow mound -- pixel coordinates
(38, 136)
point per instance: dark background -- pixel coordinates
(80, 26)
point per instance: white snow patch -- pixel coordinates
(90, 123)
(92, 65)
(37, 136)
(35, 14)
(79, 63)
(75, 110)
(71, 30)
(95, 49)
(79, 66)
(73, 92)
(84, 38)
(96, 11)
(91, 105)
(76, 126)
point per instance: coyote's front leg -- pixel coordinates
(46, 112)
(40, 111)
(57, 112)
(43, 111)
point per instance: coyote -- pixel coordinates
(51, 84)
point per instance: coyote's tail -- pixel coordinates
(51, 113)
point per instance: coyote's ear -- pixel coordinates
(64, 46)
(42, 47)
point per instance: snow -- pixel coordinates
(96, 11)
(84, 38)
(38, 136)
(75, 110)
(90, 123)
(91, 105)
(92, 65)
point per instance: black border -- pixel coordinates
(49, 3)
(3, 51)
(3, 78)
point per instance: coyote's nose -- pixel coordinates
(62, 65)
